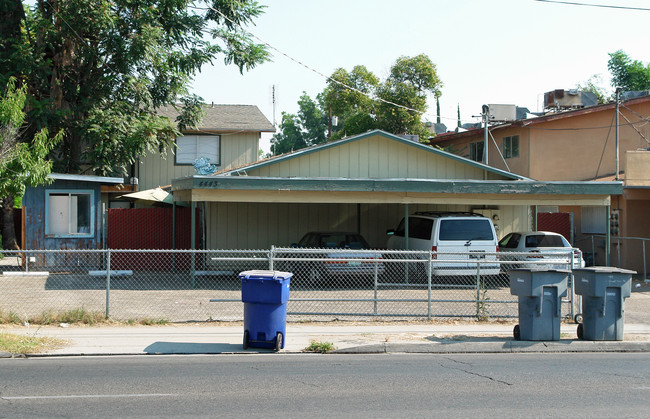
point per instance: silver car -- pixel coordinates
(539, 249)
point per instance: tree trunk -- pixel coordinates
(8, 229)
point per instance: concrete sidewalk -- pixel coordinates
(463, 337)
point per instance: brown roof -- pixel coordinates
(540, 119)
(227, 118)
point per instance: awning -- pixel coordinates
(155, 194)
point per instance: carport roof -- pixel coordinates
(273, 189)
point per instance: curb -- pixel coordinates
(499, 347)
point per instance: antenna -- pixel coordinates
(274, 102)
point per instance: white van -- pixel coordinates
(462, 237)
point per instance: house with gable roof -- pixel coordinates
(365, 183)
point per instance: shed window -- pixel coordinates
(69, 213)
(511, 146)
(192, 147)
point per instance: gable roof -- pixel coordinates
(222, 118)
(539, 120)
(316, 148)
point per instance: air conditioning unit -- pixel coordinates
(502, 113)
(568, 99)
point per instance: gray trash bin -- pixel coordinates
(539, 293)
(603, 290)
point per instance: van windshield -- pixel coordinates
(479, 229)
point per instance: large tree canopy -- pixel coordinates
(361, 102)
(98, 69)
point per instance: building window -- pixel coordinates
(69, 213)
(511, 147)
(594, 220)
(191, 147)
(476, 151)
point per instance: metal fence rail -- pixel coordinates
(203, 285)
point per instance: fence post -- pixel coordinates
(429, 286)
(108, 282)
(478, 290)
(26, 258)
(376, 285)
(571, 276)
(271, 256)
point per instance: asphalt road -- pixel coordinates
(276, 385)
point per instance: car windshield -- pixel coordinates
(335, 240)
(478, 229)
(544, 240)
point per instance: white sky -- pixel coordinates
(498, 51)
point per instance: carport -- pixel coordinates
(366, 183)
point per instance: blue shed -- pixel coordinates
(66, 214)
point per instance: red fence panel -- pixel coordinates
(557, 222)
(150, 228)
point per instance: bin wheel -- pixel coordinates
(578, 318)
(516, 332)
(278, 341)
(245, 344)
(581, 331)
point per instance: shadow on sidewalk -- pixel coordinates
(193, 348)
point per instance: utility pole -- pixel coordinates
(486, 111)
(618, 100)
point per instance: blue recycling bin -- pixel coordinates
(265, 295)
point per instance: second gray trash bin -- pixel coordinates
(540, 293)
(603, 290)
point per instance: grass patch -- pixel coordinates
(74, 316)
(23, 344)
(148, 322)
(9, 317)
(322, 347)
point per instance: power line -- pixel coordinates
(594, 5)
(319, 73)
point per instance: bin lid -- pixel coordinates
(605, 270)
(538, 269)
(262, 274)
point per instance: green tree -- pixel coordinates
(410, 81)
(307, 128)
(99, 69)
(290, 137)
(628, 74)
(312, 119)
(21, 163)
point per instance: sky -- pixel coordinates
(485, 52)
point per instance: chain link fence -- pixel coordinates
(203, 285)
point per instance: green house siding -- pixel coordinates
(373, 157)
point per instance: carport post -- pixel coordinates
(608, 237)
(108, 283)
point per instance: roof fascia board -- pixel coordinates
(86, 178)
(399, 185)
